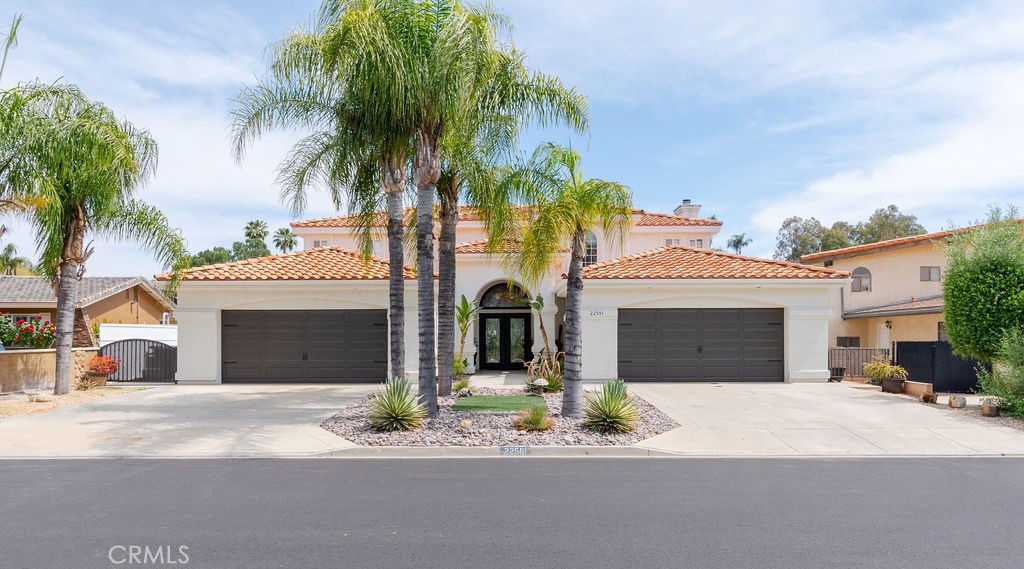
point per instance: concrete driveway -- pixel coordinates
(186, 421)
(818, 419)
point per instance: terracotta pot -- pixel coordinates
(893, 385)
(97, 379)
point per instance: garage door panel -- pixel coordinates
(709, 344)
(297, 345)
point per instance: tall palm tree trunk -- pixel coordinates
(446, 291)
(572, 397)
(67, 293)
(427, 169)
(396, 284)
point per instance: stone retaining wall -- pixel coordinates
(21, 370)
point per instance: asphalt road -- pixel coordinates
(496, 513)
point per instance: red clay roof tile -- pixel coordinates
(678, 262)
(319, 264)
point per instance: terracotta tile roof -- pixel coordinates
(650, 219)
(319, 264)
(924, 304)
(469, 213)
(479, 247)
(678, 262)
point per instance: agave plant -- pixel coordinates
(610, 410)
(395, 408)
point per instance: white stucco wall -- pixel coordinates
(806, 308)
(200, 305)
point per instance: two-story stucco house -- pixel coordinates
(659, 305)
(895, 291)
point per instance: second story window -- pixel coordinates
(931, 274)
(319, 243)
(590, 256)
(698, 243)
(671, 242)
(861, 280)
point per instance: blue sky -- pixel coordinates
(757, 110)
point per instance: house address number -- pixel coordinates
(596, 313)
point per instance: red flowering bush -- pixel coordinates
(102, 364)
(33, 333)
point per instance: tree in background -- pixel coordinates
(86, 163)
(211, 257)
(738, 242)
(983, 285)
(10, 262)
(285, 240)
(11, 40)
(256, 230)
(887, 223)
(564, 206)
(798, 237)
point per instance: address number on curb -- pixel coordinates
(514, 450)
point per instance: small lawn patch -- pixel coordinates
(499, 403)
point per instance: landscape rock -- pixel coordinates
(466, 424)
(42, 397)
(957, 401)
(465, 392)
(989, 409)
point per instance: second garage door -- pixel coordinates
(304, 345)
(701, 344)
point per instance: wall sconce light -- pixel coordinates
(888, 324)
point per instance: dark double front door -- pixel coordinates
(506, 340)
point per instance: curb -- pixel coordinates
(493, 452)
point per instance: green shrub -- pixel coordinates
(395, 408)
(610, 410)
(983, 286)
(461, 384)
(880, 368)
(534, 419)
(1005, 381)
(548, 369)
(459, 366)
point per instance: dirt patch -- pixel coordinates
(23, 403)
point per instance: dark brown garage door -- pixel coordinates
(705, 344)
(304, 345)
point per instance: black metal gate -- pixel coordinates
(934, 362)
(142, 360)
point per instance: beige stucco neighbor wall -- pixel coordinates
(133, 306)
(806, 305)
(200, 304)
(22, 370)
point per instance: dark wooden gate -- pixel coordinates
(934, 362)
(142, 360)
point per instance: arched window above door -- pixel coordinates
(503, 296)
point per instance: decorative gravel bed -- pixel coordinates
(492, 428)
(975, 411)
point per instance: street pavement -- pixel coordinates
(514, 513)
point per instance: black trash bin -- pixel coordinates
(837, 373)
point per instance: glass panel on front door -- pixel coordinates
(517, 344)
(492, 340)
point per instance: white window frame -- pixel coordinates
(697, 243)
(671, 242)
(590, 249)
(861, 283)
(27, 317)
(320, 243)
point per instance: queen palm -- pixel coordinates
(738, 242)
(10, 262)
(285, 240)
(472, 152)
(338, 81)
(565, 207)
(86, 164)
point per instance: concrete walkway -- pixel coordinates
(816, 419)
(187, 421)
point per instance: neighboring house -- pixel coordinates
(895, 292)
(659, 305)
(128, 300)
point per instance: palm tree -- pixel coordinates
(738, 242)
(471, 155)
(87, 165)
(285, 240)
(10, 41)
(465, 314)
(256, 230)
(10, 262)
(565, 208)
(341, 80)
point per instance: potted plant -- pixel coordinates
(98, 368)
(885, 373)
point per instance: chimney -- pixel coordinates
(687, 209)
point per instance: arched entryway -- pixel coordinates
(505, 328)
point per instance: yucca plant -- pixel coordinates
(610, 410)
(534, 419)
(395, 408)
